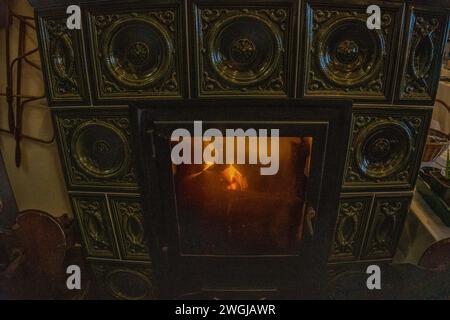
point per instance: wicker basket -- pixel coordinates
(437, 141)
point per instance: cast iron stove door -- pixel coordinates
(234, 216)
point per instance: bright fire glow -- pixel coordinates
(236, 181)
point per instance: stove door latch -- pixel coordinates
(310, 216)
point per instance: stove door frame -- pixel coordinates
(280, 276)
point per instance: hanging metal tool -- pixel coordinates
(14, 98)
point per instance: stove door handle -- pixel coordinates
(310, 216)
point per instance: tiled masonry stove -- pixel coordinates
(132, 52)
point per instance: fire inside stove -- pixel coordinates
(231, 209)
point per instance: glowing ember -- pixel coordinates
(236, 181)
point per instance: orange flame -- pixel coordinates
(236, 181)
